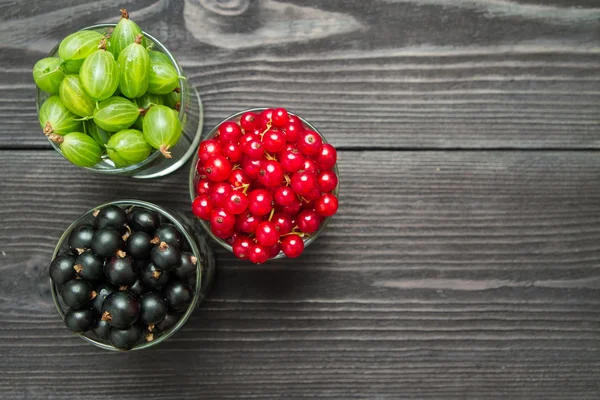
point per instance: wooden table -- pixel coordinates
(464, 262)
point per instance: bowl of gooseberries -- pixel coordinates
(264, 184)
(112, 99)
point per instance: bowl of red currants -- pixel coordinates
(264, 184)
(127, 275)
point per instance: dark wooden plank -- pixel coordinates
(445, 275)
(402, 73)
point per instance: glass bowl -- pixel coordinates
(191, 115)
(193, 180)
(205, 269)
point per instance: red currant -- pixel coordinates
(267, 233)
(280, 117)
(309, 143)
(273, 251)
(203, 186)
(326, 205)
(218, 168)
(285, 196)
(202, 206)
(222, 220)
(295, 120)
(292, 246)
(260, 202)
(292, 209)
(248, 137)
(241, 246)
(219, 193)
(326, 157)
(237, 202)
(233, 151)
(265, 118)
(274, 140)
(208, 149)
(229, 131)
(271, 173)
(327, 181)
(314, 194)
(249, 121)
(303, 182)
(253, 148)
(283, 222)
(247, 222)
(293, 130)
(310, 166)
(238, 178)
(308, 221)
(258, 254)
(225, 235)
(250, 167)
(291, 160)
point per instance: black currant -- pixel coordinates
(61, 269)
(187, 265)
(77, 293)
(191, 280)
(121, 309)
(80, 320)
(154, 308)
(167, 323)
(110, 217)
(169, 234)
(165, 256)
(89, 266)
(102, 292)
(107, 242)
(101, 329)
(138, 288)
(153, 277)
(121, 271)
(178, 295)
(81, 238)
(144, 220)
(125, 339)
(138, 245)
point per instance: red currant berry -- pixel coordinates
(308, 221)
(280, 117)
(291, 160)
(267, 233)
(273, 251)
(250, 167)
(309, 143)
(225, 235)
(292, 209)
(247, 222)
(203, 186)
(327, 157)
(221, 220)
(283, 222)
(258, 254)
(238, 178)
(310, 166)
(229, 131)
(265, 118)
(260, 202)
(274, 140)
(293, 119)
(249, 121)
(208, 149)
(233, 151)
(202, 206)
(326, 205)
(271, 173)
(218, 168)
(241, 246)
(248, 137)
(253, 148)
(314, 194)
(308, 206)
(303, 182)
(285, 196)
(327, 181)
(237, 202)
(292, 246)
(293, 130)
(219, 193)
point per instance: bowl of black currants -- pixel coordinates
(127, 275)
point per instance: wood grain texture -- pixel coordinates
(404, 73)
(458, 275)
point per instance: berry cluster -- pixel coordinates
(125, 277)
(265, 184)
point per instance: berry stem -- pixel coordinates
(124, 13)
(271, 215)
(164, 149)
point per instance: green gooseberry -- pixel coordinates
(48, 73)
(74, 97)
(72, 66)
(56, 118)
(144, 102)
(115, 114)
(79, 45)
(124, 34)
(173, 99)
(79, 148)
(159, 56)
(134, 67)
(162, 78)
(98, 134)
(99, 75)
(162, 128)
(128, 147)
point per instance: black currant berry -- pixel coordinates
(125, 339)
(80, 320)
(121, 309)
(107, 242)
(89, 266)
(169, 234)
(187, 265)
(138, 245)
(121, 271)
(144, 220)
(153, 277)
(167, 323)
(81, 238)
(178, 295)
(110, 217)
(138, 288)
(61, 269)
(165, 256)
(102, 292)
(191, 280)
(101, 329)
(77, 293)
(154, 308)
